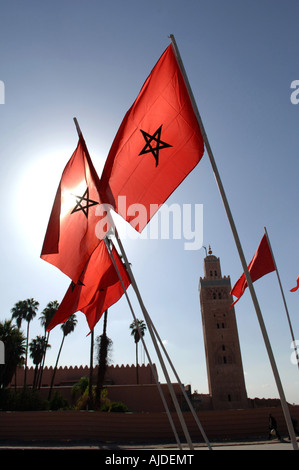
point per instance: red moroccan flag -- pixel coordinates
(297, 287)
(157, 145)
(98, 288)
(71, 234)
(262, 263)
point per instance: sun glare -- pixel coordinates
(34, 196)
(69, 197)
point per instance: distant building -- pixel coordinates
(222, 349)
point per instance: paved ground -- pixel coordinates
(248, 445)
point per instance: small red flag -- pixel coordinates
(262, 263)
(157, 145)
(71, 233)
(98, 288)
(297, 287)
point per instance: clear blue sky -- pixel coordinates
(62, 59)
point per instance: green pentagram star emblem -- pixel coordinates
(83, 203)
(153, 144)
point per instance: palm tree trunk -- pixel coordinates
(102, 361)
(91, 369)
(35, 376)
(43, 363)
(25, 371)
(137, 374)
(55, 368)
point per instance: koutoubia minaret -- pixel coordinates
(221, 339)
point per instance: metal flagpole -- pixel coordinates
(283, 297)
(183, 390)
(156, 333)
(240, 251)
(149, 326)
(143, 342)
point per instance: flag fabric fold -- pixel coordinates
(98, 288)
(262, 263)
(297, 286)
(157, 145)
(71, 233)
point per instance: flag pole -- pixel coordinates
(166, 354)
(283, 297)
(144, 345)
(182, 389)
(148, 323)
(183, 424)
(240, 251)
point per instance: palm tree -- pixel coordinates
(13, 340)
(67, 327)
(37, 349)
(104, 347)
(138, 328)
(25, 310)
(45, 318)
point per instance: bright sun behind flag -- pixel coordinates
(68, 198)
(71, 234)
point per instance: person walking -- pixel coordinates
(273, 428)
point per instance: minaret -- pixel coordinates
(222, 348)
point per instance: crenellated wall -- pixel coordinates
(121, 383)
(67, 376)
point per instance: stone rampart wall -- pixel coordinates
(115, 375)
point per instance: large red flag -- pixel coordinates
(297, 286)
(98, 288)
(157, 145)
(71, 233)
(262, 263)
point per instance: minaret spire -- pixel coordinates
(223, 355)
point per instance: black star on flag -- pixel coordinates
(74, 284)
(155, 138)
(83, 203)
